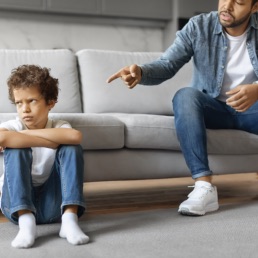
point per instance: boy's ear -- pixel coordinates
(51, 104)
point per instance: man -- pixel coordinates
(223, 93)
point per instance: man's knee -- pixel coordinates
(186, 99)
(185, 95)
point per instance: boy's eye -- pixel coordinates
(18, 103)
(33, 101)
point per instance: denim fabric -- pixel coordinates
(204, 40)
(63, 187)
(194, 112)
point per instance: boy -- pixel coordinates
(43, 162)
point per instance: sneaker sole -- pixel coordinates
(185, 211)
(188, 212)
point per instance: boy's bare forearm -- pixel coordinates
(11, 139)
(57, 135)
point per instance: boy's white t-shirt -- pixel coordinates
(239, 69)
(42, 158)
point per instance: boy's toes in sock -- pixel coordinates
(71, 230)
(27, 231)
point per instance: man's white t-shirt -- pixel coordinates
(42, 158)
(239, 70)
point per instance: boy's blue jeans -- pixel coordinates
(63, 187)
(194, 112)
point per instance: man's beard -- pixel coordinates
(235, 23)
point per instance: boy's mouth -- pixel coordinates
(27, 118)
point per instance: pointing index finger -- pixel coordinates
(113, 77)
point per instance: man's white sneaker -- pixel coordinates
(204, 198)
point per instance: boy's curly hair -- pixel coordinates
(26, 76)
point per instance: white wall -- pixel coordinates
(34, 31)
(189, 8)
(42, 32)
(185, 9)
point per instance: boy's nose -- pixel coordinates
(26, 109)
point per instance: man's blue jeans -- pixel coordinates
(194, 112)
(63, 187)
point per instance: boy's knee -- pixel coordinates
(20, 152)
(70, 149)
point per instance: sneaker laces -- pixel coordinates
(200, 191)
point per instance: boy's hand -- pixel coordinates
(131, 75)
(243, 97)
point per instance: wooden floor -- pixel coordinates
(126, 196)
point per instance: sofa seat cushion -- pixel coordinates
(158, 132)
(231, 142)
(149, 131)
(99, 131)
(63, 65)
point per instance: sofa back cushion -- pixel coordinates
(63, 65)
(98, 96)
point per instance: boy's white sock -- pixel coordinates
(27, 233)
(71, 230)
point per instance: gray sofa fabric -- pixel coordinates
(96, 66)
(127, 134)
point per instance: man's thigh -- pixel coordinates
(218, 115)
(248, 120)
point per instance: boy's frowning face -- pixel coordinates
(32, 107)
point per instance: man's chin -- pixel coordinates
(225, 24)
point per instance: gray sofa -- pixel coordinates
(128, 134)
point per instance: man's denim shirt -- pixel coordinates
(203, 39)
